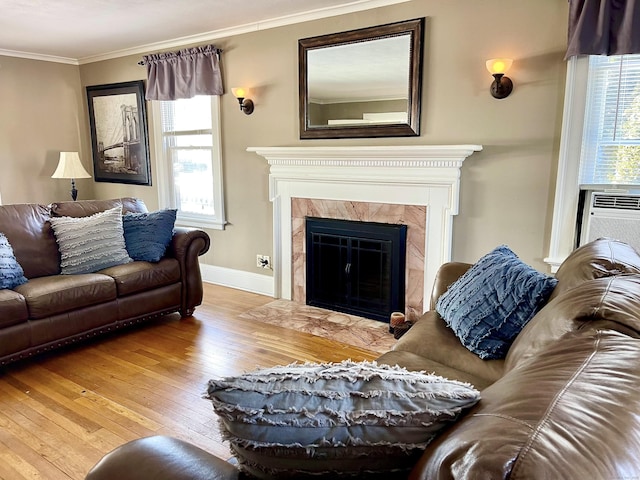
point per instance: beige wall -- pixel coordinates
(41, 114)
(507, 189)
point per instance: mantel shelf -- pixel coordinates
(366, 156)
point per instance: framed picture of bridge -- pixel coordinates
(119, 133)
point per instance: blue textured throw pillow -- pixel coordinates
(148, 235)
(11, 273)
(490, 304)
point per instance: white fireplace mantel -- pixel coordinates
(426, 175)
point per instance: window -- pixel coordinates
(610, 153)
(189, 166)
(600, 135)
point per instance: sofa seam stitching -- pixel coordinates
(506, 417)
(603, 296)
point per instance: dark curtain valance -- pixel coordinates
(183, 74)
(603, 27)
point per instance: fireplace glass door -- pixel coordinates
(356, 267)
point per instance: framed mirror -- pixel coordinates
(362, 83)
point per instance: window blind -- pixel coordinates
(610, 153)
(188, 144)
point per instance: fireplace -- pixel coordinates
(356, 267)
(413, 216)
(419, 183)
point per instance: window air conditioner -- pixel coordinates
(613, 215)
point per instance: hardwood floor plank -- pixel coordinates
(28, 449)
(62, 411)
(13, 467)
(74, 454)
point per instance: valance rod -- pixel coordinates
(218, 51)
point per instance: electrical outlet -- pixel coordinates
(263, 261)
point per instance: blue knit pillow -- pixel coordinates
(11, 273)
(148, 235)
(490, 304)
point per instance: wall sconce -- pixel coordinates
(69, 166)
(246, 105)
(501, 86)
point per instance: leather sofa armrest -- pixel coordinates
(161, 458)
(447, 274)
(186, 246)
(182, 239)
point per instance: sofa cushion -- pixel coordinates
(431, 338)
(48, 296)
(11, 273)
(89, 244)
(418, 363)
(13, 308)
(490, 303)
(343, 420)
(27, 228)
(147, 235)
(86, 208)
(606, 302)
(139, 276)
(600, 258)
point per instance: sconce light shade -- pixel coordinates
(502, 86)
(246, 105)
(69, 166)
(240, 92)
(499, 65)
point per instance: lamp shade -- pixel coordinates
(499, 65)
(240, 92)
(69, 166)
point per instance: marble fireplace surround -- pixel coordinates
(391, 184)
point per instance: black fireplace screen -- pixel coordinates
(356, 267)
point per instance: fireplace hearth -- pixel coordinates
(356, 267)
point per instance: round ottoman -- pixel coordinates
(158, 458)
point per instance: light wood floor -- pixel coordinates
(60, 413)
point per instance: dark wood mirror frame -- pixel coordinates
(415, 29)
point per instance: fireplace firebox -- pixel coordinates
(356, 267)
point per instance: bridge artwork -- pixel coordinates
(123, 153)
(119, 133)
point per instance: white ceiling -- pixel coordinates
(81, 31)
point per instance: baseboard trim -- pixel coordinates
(247, 281)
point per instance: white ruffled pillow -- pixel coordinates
(89, 244)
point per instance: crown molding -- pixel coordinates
(38, 56)
(352, 7)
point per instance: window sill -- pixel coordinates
(201, 223)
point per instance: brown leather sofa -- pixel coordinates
(563, 404)
(52, 310)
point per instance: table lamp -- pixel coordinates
(69, 166)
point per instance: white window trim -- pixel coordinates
(164, 178)
(565, 207)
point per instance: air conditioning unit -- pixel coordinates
(613, 215)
